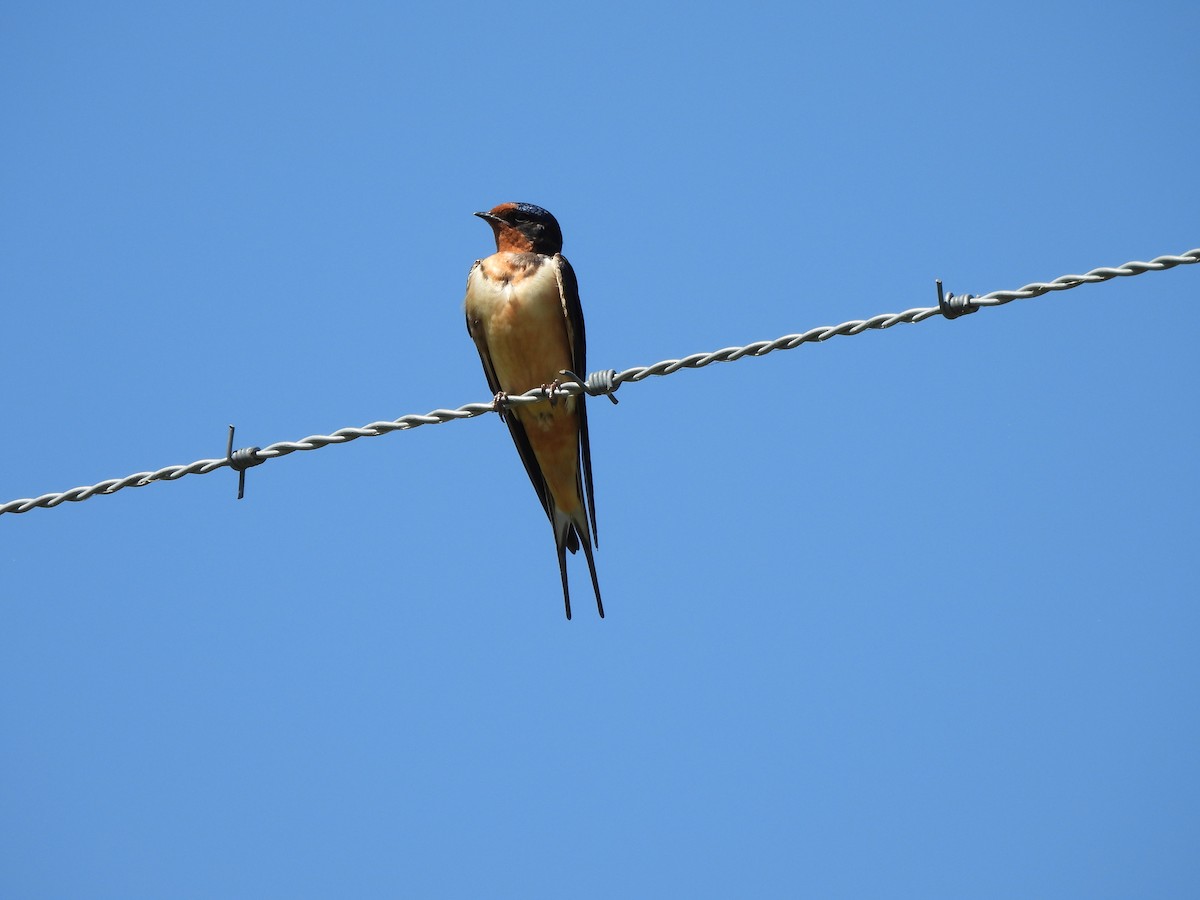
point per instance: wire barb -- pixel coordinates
(951, 306)
(241, 460)
(604, 382)
(598, 383)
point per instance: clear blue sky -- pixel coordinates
(909, 614)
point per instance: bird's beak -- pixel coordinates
(489, 218)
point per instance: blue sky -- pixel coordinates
(907, 614)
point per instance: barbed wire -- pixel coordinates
(603, 382)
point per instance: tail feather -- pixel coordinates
(587, 551)
(562, 568)
(569, 534)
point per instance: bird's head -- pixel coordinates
(524, 228)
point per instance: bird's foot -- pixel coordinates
(500, 403)
(550, 390)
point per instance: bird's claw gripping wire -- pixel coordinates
(551, 390)
(500, 404)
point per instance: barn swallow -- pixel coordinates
(524, 315)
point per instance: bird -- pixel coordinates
(523, 313)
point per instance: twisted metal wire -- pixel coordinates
(604, 382)
(910, 316)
